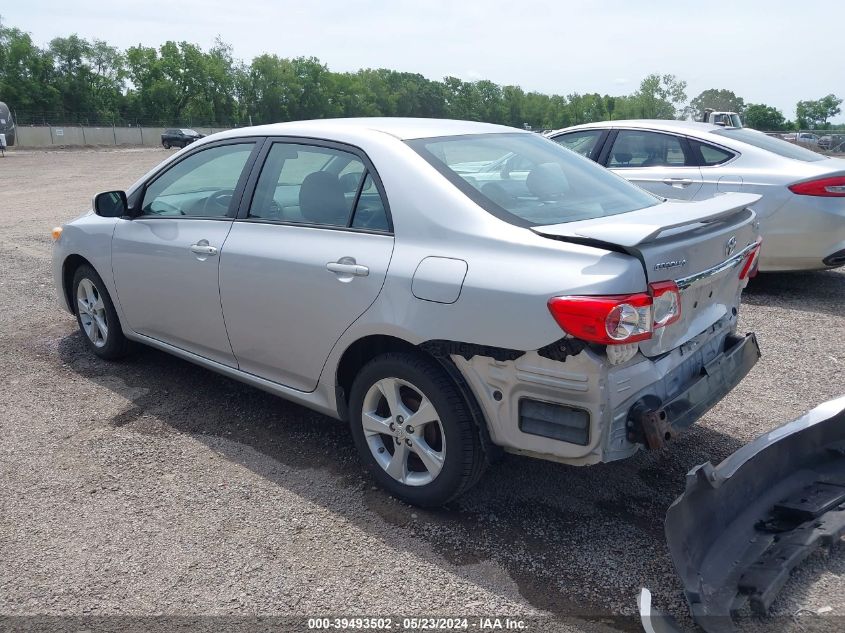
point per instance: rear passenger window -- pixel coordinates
(309, 184)
(583, 142)
(711, 155)
(635, 148)
(370, 212)
(302, 183)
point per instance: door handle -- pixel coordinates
(345, 268)
(203, 248)
(677, 182)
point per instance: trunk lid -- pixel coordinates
(699, 245)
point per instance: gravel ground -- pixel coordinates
(153, 487)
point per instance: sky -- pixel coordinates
(766, 51)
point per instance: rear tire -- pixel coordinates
(166, 145)
(413, 430)
(96, 316)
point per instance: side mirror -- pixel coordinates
(111, 204)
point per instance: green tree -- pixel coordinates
(513, 100)
(26, 73)
(71, 73)
(586, 108)
(716, 99)
(269, 88)
(491, 103)
(462, 99)
(107, 73)
(180, 82)
(763, 117)
(660, 96)
(815, 114)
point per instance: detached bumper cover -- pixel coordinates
(742, 526)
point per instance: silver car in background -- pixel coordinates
(802, 210)
(378, 271)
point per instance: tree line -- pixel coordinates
(73, 80)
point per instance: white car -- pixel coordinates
(802, 210)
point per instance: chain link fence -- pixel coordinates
(828, 142)
(64, 118)
(64, 129)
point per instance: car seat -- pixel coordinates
(547, 181)
(321, 199)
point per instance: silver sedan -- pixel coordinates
(802, 210)
(381, 271)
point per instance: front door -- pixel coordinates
(307, 260)
(660, 163)
(165, 261)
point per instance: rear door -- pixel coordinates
(165, 261)
(307, 256)
(657, 162)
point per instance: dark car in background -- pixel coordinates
(179, 137)
(7, 125)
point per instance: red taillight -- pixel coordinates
(828, 187)
(749, 268)
(618, 319)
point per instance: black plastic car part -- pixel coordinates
(741, 527)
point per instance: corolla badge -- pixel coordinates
(675, 263)
(730, 246)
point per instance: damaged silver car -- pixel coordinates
(452, 289)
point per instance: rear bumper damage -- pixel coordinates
(740, 528)
(655, 426)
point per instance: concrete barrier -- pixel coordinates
(127, 136)
(58, 136)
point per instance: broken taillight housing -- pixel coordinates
(618, 319)
(749, 267)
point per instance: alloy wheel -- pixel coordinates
(403, 431)
(92, 312)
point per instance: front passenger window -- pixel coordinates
(201, 185)
(583, 141)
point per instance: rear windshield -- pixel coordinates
(775, 145)
(528, 180)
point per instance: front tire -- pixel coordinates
(413, 430)
(96, 316)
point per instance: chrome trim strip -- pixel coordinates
(729, 263)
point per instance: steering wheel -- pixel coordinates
(218, 202)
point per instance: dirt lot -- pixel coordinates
(153, 487)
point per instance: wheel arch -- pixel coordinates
(69, 267)
(358, 354)
(364, 349)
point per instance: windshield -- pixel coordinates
(528, 180)
(775, 145)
